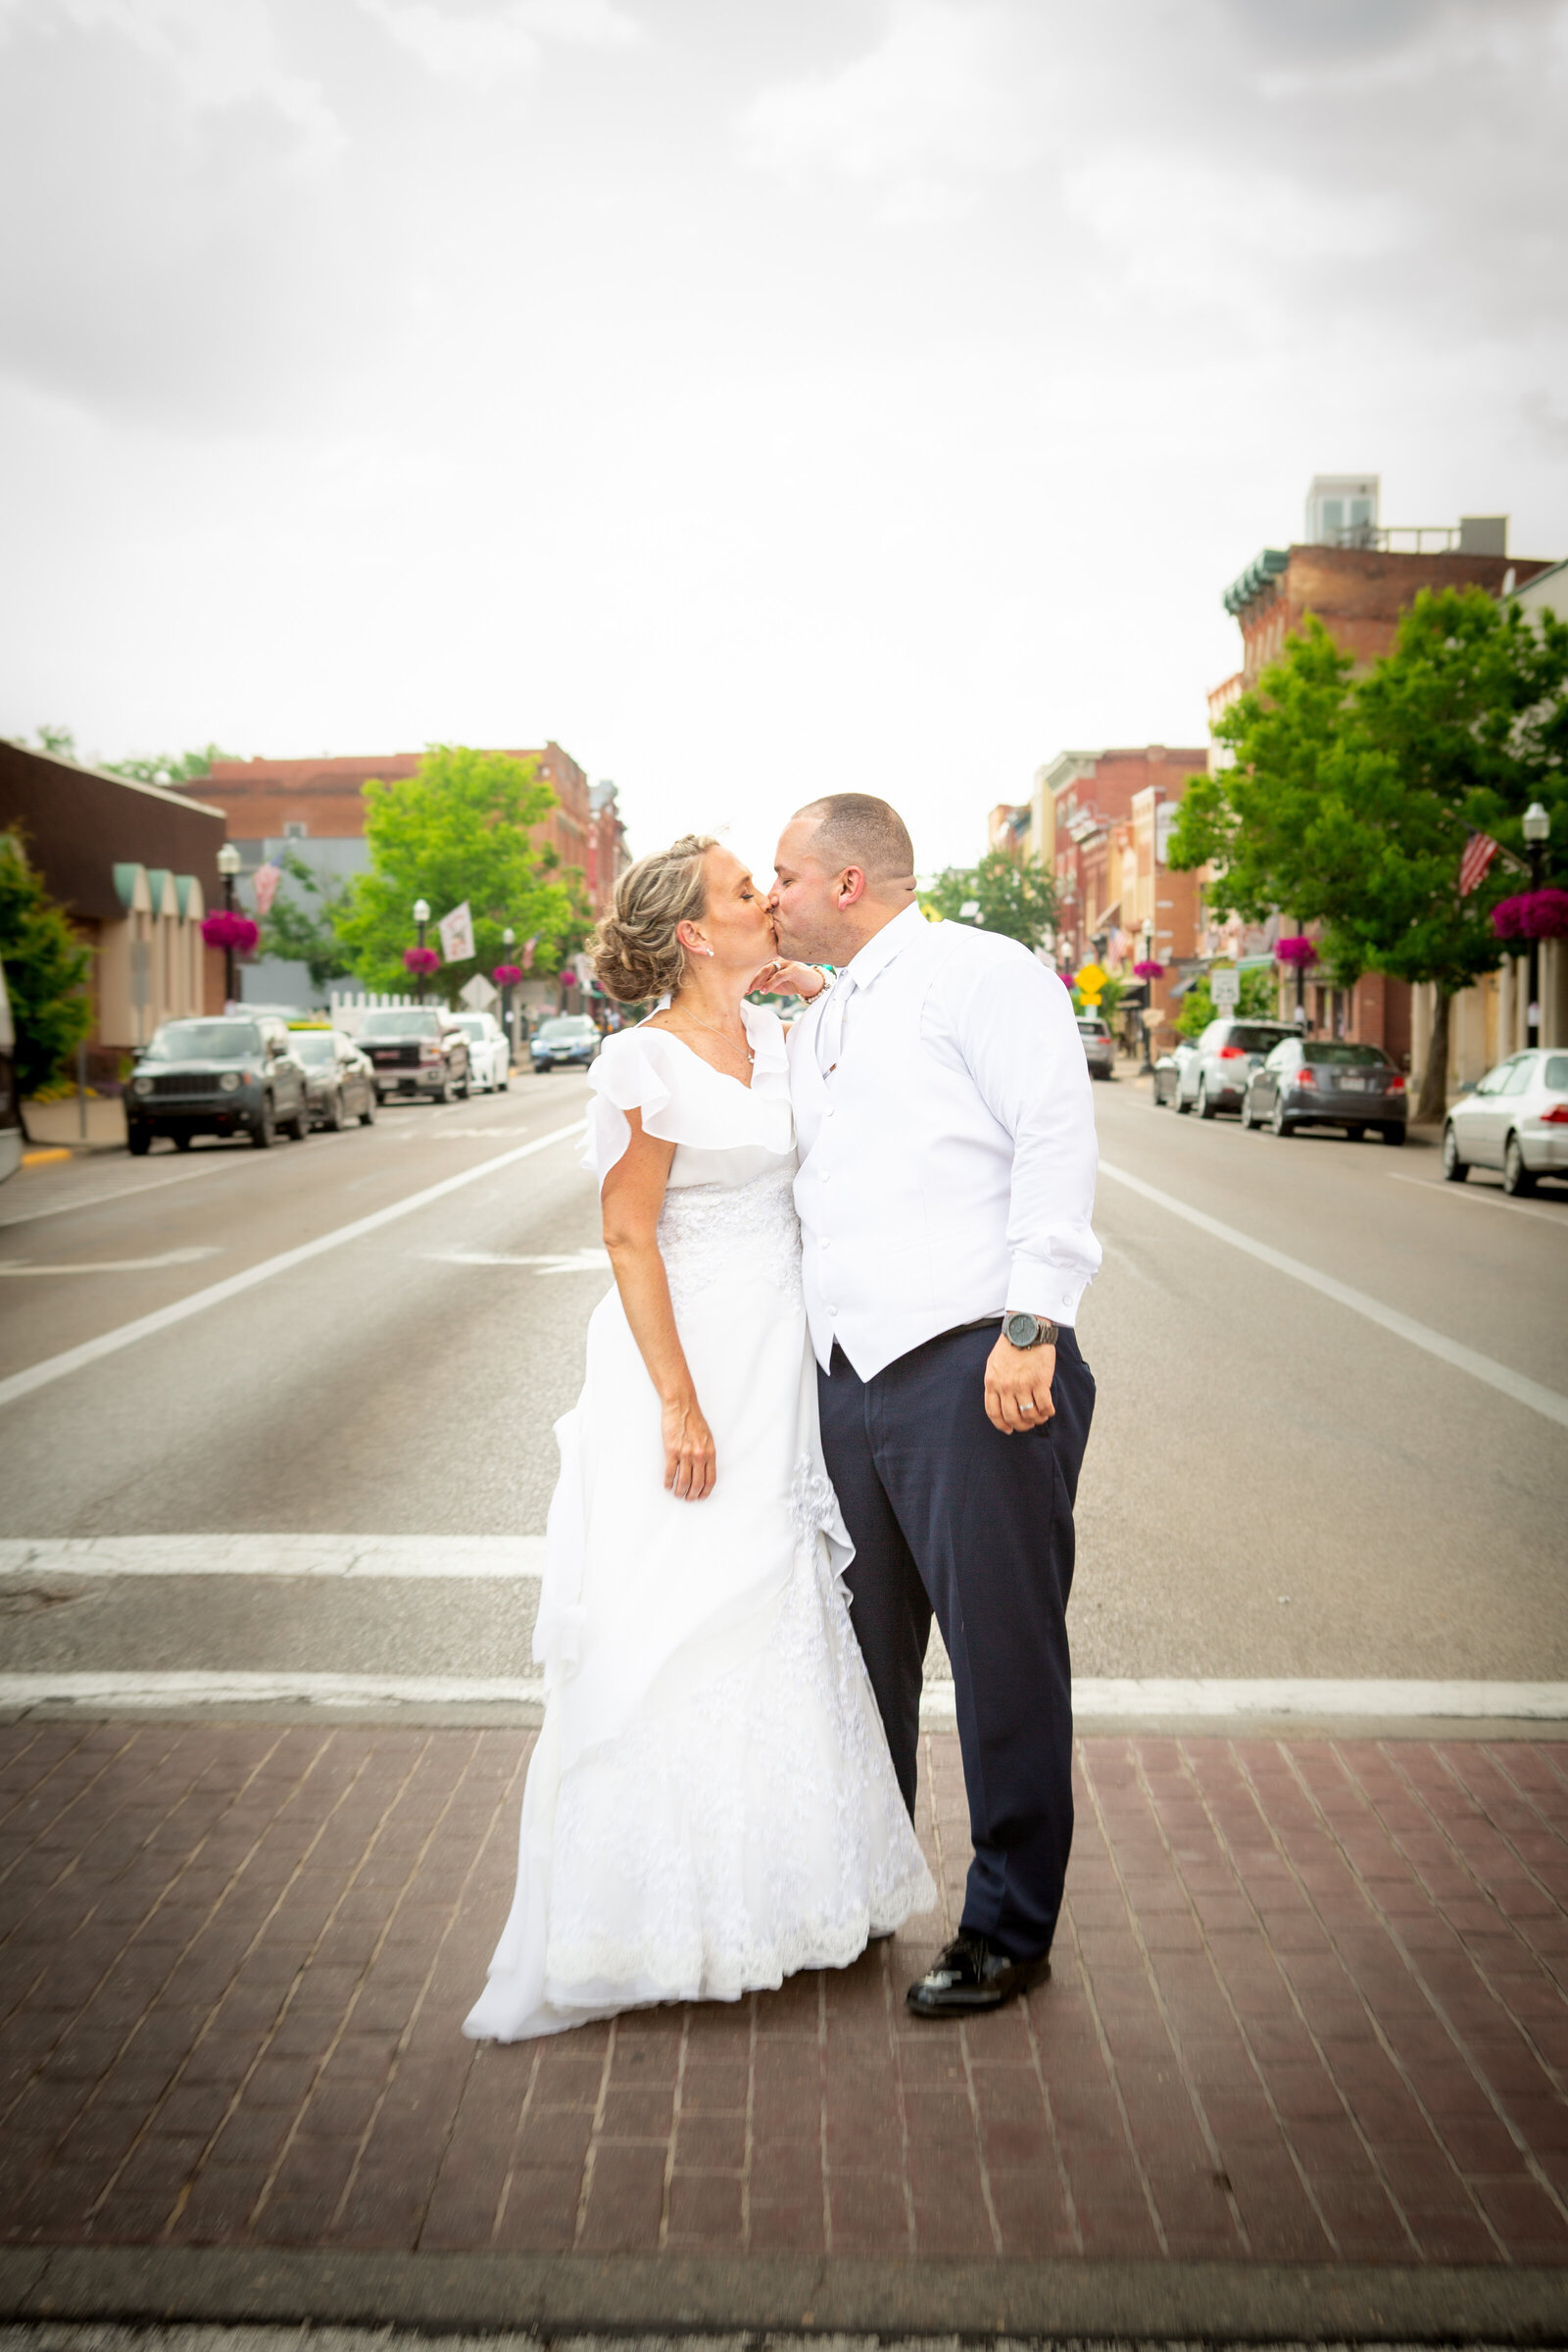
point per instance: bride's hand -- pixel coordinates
(782, 978)
(690, 1466)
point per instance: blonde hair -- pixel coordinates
(634, 951)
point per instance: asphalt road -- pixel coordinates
(1278, 1485)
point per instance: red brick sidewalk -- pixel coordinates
(1308, 2007)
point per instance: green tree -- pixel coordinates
(59, 742)
(46, 971)
(1349, 800)
(460, 829)
(303, 933)
(170, 767)
(1019, 900)
(1259, 1001)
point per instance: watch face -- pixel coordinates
(1022, 1330)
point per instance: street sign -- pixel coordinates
(478, 994)
(1091, 979)
(1225, 988)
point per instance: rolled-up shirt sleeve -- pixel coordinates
(1014, 1025)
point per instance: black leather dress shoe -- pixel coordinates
(969, 1977)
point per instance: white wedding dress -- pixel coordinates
(711, 1805)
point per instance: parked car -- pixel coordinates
(415, 1050)
(489, 1054)
(1216, 1077)
(1100, 1048)
(567, 1041)
(224, 1076)
(339, 1081)
(10, 1103)
(1515, 1120)
(1169, 1067)
(1328, 1082)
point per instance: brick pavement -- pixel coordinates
(1308, 2007)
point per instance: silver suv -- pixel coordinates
(1217, 1076)
(1100, 1049)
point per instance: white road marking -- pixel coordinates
(92, 1351)
(1503, 1377)
(129, 1192)
(579, 1261)
(1465, 1192)
(1218, 1702)
(115, 1265)
(402, 1556)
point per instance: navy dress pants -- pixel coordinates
(949, 1515)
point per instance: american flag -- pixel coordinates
(1479, 850)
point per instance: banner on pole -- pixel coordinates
(265, 882)
(457, 935)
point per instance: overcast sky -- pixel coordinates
(758, 396)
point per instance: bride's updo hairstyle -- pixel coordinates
(634, 951)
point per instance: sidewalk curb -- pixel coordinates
(1212, 2302)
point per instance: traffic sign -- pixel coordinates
(1091, 979)
(1225, 988)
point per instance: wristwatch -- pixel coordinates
(1029, 1331)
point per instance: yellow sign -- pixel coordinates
(1090, 980)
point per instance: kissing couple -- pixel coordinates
(836, 1387)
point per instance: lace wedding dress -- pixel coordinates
(711, 1805)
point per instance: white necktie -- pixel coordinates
(830, 1028)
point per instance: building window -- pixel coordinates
(296, 829)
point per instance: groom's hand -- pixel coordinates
(1018, 1387)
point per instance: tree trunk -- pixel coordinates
(1435, 1077)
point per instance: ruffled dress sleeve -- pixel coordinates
(683, 1101)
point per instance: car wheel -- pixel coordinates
(1454, 1168)
(181, 1139)
(1205, 1109)
(1278, 1124)
(1357, 1133)
(504, 1083)
(1248, 1120)
(1177, 1104)
(447, 1093)
(1516, 1177)
(264, 1135)
(299, 1126)
(336, 1119)
(465, 1086)
(1394, 1131)
(138, 1142)
(368, 1114)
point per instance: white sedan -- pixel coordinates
(1515, 1120)
(489, 1054)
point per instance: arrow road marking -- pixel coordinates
(1503, 1377)
(116, 1265)
(110, 1343)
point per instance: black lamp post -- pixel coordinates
(509, 940)
(1536, 832)
(421, 915)
(228, 867)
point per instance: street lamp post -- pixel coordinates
(421, 915)
(1536, 832)
(228, 867)
(509, 940)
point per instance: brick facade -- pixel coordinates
(1357, 593)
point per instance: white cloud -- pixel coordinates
(475, 45)
(941, 104)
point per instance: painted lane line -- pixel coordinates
(129, 1191)
(1483, 1199)
(579, 1261)
(116, 1265)
(1094, 1699)
(92, 1351)
(1503, 1377)
(509, 1558)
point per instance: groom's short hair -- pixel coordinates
(855, 828)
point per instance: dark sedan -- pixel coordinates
(1327, 1082)
(216, 1077)
(338, 1078)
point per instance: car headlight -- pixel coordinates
(229, 1082)
(141, 1084)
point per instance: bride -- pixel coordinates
(711, 1805)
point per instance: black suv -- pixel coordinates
(228, 1076)
(415, 1050)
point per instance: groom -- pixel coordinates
(947, 1139)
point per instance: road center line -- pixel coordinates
(1515, 1385)
(128, 1191)
(506, 1558)
(91, 1351)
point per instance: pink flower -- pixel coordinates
(1297, 949)
(420, 960)
(226, 930)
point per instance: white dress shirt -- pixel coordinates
(945, 1128)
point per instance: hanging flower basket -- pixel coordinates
(1149, 971)
(507, 975)
(226, 930)
(1532, 914)
(1297, 950)
(420, 960)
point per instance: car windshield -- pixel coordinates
(1355, 1056)
(205, 1041)
(401, 1024)
(1254, 1038)
(474, 1027)
(1093, 1029)
(310, 1044)
(569, 1026)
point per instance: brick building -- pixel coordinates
(135, 868)
(1100, 823)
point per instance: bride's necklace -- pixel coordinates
(725, 1039)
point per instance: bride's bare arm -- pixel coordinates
(632, 1197)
